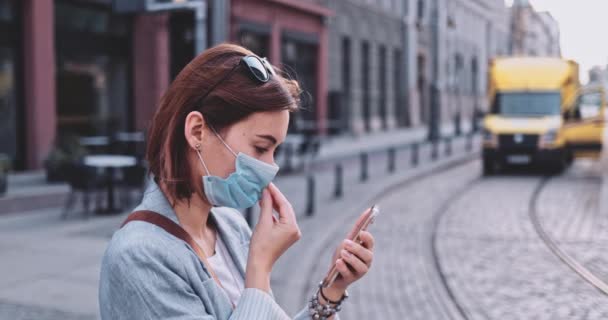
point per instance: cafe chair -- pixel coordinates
(84, 182)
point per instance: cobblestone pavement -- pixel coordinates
(333, 219)
(498, 267)
(402, 283)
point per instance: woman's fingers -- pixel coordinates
(361, 252)
(281, 205)
(266, 207)
(354, 262)
(345, 272)
(367, 240)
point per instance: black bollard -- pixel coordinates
(434, 151)
(469, 143)
(310, 195)
(339, 179)
(288, 164)
(364, 167)
(448, 146)
(391, 159)
(414, 150)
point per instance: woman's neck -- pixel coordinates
(193, 216)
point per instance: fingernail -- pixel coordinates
(346, 253)
(348, 243)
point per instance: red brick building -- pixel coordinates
(291, 33)
(76, 67)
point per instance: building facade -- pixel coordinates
(475, 32)
(366, 66)
(293, 35)
(533, 33)
(390, 59)
(76, 68)
(73, 68)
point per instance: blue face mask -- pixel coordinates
(242, 188)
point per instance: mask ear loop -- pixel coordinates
(222, 140)
(198, 153)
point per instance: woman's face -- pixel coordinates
(257, 135)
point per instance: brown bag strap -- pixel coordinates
(177, 231)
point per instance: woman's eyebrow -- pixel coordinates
(268, 137)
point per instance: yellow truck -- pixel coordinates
(540, 114)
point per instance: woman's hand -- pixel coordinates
(352, 260)
(271, 237)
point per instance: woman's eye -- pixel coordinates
(261, 150)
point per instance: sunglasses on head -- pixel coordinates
(259, 69)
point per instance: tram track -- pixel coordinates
(585, 273)
(451, 299)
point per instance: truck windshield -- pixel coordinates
(527, 103)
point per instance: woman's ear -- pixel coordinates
(194, 129)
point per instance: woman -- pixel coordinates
(186, 252)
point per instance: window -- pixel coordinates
(346, 63)
(340, 110)
(589, 105)
(401, 111)
(382, 70)
(474, 76)
(421, 10)
(527, 103)
(258, 43)
(93, 70)
(365, 84)
(11, 119)
(7, 10)
(300, 57)
(458, 68)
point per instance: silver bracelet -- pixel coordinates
(320, 311)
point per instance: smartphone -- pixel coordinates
(354, 236)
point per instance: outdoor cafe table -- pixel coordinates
(109, 162)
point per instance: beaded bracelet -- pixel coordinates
(320, 311)
(339, 302)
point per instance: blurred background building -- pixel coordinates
(533, 33)
(475, 32)
(367, 66)
(598, 74)
(381, 60)
(97, 67)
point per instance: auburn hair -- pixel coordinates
(232, 100)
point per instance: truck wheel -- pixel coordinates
(560, 165)
(569, 158)
(488, 167)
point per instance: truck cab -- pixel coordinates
(539, 114)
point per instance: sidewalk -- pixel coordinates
(29, 191)
(348, 144)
